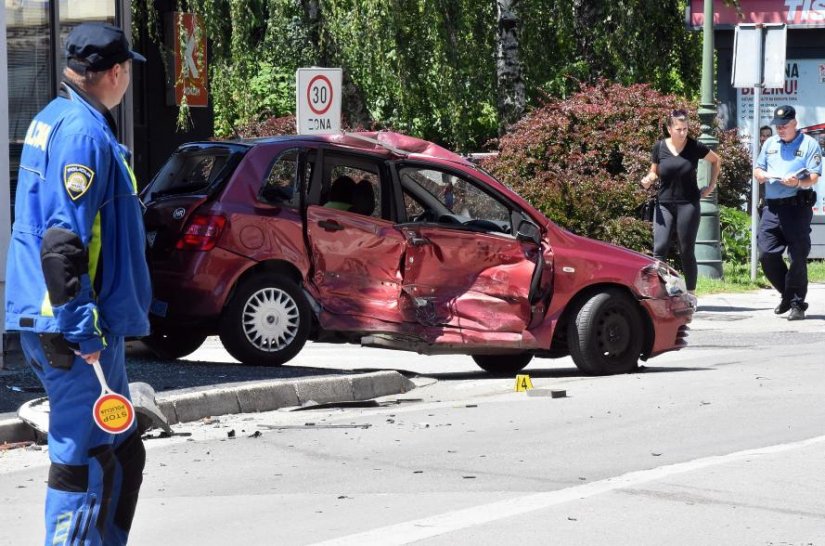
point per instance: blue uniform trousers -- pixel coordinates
(781, 227)
(95, 477)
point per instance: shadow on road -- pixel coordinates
(538, 373)
(728, 309)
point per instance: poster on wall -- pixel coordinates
(187, 35)
(804, 90)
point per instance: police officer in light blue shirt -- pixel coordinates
(77, 283)
(788, 165)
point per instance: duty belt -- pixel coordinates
(805, 198)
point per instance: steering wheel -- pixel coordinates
(486, 225)
(449, 219)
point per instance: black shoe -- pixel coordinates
(797, 313)
(782, 307)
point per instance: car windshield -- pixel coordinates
(194, 170)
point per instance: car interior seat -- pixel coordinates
(341, 193)
(363, 198)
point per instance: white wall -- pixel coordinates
(5, 190)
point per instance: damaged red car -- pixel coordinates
(385, 240)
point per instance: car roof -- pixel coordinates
(384, 143)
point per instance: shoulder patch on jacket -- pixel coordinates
(77, 179)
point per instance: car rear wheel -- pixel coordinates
(267, 321)
(173, 344)
(605, 335)
(503, 364)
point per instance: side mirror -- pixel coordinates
(528, 231)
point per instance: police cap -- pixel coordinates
(783, 115)
(94, 47)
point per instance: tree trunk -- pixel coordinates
(353, 106)
(587, 16)
(511, 93)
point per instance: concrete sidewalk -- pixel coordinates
(192, 404)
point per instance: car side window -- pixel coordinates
(282, 185)
(353, 186)
(445, 198)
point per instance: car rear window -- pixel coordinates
(194, 170)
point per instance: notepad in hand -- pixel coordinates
(801, 174)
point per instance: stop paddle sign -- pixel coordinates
(112, 412)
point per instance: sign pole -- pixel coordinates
(757, 91)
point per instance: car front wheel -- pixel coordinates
(267, 321)
(605, 334)
(503, 364)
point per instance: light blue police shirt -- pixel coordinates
(782, 158)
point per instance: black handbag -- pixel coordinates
(648, 209)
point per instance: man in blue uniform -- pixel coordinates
(77, 284)
(788, 165)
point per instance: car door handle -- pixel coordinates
(330, 225)
(419, 241)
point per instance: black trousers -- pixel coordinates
(786, 227)
(685, 218)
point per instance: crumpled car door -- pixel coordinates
(355, 268)
(479, 282)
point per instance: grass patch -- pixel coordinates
(737, 278)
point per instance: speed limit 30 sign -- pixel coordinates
(318, 97)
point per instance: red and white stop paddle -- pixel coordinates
(112, 412)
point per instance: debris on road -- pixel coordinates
(547, 393)
(312, 405)
(15, 445)
(15, 388)
(308, 426)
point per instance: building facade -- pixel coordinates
(804, 87)
(32, 36)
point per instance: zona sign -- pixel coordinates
(320, 93)
(318, 100)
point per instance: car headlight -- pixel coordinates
(658, 280)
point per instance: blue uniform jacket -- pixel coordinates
(779, 158)
(76, 176)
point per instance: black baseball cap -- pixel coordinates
(783, 115)
(94, 47)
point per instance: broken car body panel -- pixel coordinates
(435, 256)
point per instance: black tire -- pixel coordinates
(174, 344)
(267, 321)
(605, 334)
(503, 364)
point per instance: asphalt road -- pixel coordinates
(721, 443)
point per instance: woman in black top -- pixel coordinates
(674, 162)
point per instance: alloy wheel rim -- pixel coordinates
(270, 320)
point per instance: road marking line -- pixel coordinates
(420, 529)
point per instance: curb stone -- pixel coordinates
(185, 405)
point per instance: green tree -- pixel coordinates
(429, 67)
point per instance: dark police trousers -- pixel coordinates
(786, 225)
(95, 477)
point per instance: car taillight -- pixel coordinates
(202, 232)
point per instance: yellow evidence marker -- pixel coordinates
(523, 383)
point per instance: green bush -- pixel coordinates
(580, 160)
(736, 236)
(734, 189)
